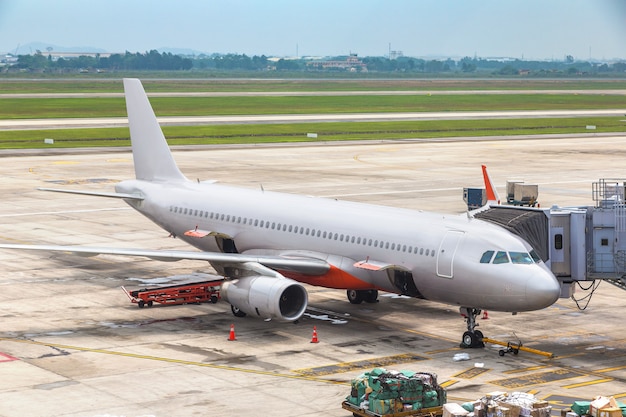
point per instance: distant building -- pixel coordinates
(70, 55)
(395, 54)
(351, 63)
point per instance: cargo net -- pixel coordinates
(385, 392)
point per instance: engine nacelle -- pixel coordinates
(267, 297)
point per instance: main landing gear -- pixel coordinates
(358, 296)
(472, 338)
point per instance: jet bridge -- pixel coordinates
(583, 243)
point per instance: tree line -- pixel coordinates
(152, 60)
(155, 61)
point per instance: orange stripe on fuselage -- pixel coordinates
(334, 278)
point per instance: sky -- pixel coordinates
(529, 29)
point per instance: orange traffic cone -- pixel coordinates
(485, 315)
(232, 337)
(314, 338)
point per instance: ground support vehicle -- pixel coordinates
(192, 293)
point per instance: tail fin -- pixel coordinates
(151, 154)
(492, 193)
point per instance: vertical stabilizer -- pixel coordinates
(151, 154)
(492, 193)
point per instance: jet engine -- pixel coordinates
(266, 297)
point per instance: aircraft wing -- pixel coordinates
(303, 265)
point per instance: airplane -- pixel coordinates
(266, 244)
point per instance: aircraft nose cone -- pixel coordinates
(542, 289)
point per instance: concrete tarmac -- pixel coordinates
(72, 344)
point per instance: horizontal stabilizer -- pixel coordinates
(94, 193)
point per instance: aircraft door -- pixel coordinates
(445, 255)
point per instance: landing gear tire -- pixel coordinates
(358, 296)
(472, 338)
(355, 296)
(371, 296)
(237, 312)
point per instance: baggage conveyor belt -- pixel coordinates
(191, 293)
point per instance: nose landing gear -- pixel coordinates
(472, 338)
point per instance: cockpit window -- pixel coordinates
(521, 258)
(501, 258)
(486, 258)
(535, 257)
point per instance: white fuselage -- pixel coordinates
(441, 252)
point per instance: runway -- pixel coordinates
(26, 124)
(386, 92)
(71, 343)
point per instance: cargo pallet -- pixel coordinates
(422, 412)
(193, 293)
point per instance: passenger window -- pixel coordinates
(520, 258)
(486, 258)
(501, 258)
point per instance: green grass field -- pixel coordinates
(89, 107)
(108, 84)
(43, 108)
(275, 133)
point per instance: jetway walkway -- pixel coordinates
(583, 243)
